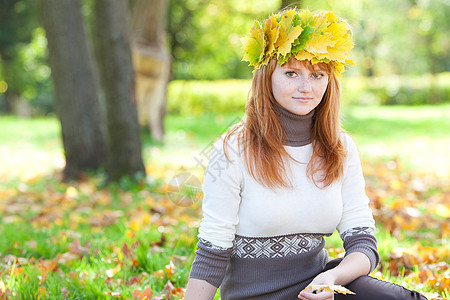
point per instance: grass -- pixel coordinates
(87, 230)
(86, 237)
(417, 134)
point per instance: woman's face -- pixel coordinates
(297, 88)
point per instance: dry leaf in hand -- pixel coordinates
(329, 288)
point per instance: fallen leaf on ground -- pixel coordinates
(147, 294)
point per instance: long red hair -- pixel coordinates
(260, 133)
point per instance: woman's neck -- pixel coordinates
(297, 128)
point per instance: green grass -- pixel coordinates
(41, 219)
(40, 133)
(50, 233)
(419, 135)
(393, 123)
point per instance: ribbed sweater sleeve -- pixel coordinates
(357, 225)
(356, 211)
(210, 263)
(362, 239)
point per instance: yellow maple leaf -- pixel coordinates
(169, 269)
(329, 288)
(321, 38)
(320, 43)
(303, 54)
(135, 225)
(338, 30)
(287, 33)
(253, 45)
(306, 17)
(271, 32)
(338, 68)
(331, 17)
(71, 192)
(320, 23)
(340, 50)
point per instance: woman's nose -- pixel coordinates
(304, 85)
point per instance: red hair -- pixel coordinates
(261, 134)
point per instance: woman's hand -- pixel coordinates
(351, 267)
(325, 278)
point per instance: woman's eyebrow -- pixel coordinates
(298, 69)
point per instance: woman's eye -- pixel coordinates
(317, 75)
(290, 74)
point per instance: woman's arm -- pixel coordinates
(198, 289)
(353, 265)
(220, 205)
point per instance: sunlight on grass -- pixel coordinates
(419, 136)
(29, 147)
(421, 153)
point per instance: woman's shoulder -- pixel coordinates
(348, 141)
(228, 144)
(233, 138)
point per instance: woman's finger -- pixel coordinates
(316, 296)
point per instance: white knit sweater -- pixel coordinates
(235, 204)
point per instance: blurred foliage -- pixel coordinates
(404, 37)
(396, 37)
(199, 97)
(23, 68)
(204, 36)
(228, 96)
(397, 90)
(19, 18)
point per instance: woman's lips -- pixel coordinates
(302, 99)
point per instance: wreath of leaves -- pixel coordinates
(317, 37)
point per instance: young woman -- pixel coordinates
(287, 176)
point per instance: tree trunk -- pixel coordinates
(16, 105)
(291, 4)
(117, 79)
(76, 92)
(152, 63)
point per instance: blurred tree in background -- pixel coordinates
(76, 91)
(152, 62)
(407, 37)
(94, 137)
(204, 36)
(113, 53)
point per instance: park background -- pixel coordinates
(112, 211)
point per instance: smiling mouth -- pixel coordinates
(302, 99)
